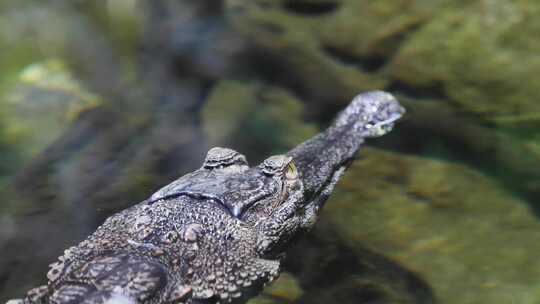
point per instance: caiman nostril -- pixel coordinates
(237, 211)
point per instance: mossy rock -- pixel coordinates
(472, 241)
(333, 49)
(482, 55)
(479, 56)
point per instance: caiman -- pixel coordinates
(218, 234)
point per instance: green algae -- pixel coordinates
(458, 229)
(473, 52)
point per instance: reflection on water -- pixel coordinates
(103, 102)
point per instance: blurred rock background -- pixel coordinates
(102, 102)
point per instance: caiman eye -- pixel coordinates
(219, 158)
(276, 165)
(291, 172)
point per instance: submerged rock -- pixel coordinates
(467, 54)
(482, 55)
(330, 49)
(471, 240)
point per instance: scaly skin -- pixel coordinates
(215, 235)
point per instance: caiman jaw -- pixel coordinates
(322, 159)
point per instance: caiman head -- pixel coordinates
(283, 195)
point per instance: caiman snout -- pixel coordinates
(370, 114)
